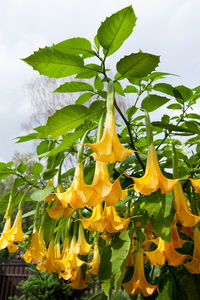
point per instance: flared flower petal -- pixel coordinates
(196, 184)
(153, 178)
(95, 222)
(15, 234)
(77, 281)
(138, 283)
(3, 240)
(82, 247)
(164, 252)
(183, 212)
(109, 149)
(79, 194)
(94, 264)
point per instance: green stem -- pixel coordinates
(100, 127)
(128, 125)
(110, 97)
(23, 198)
(11, 199)
(148, 129)
(36, 216)
(81, 148)
(174, 161)
(60, 173)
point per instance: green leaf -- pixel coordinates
(74, 86)
(164, 88)
(193, 116)
(89, 71)
(70, 139)
(84, 98)
(22, 168)
(5, 170)
(183, 93)
(48, 226)
(50, 174)
(174, 106)
(159, 75)
(171, 127)
(75, 46)
(39, 195)
(193, 126)
(137, 65)
(98, 83)
(130, 89)
(153, 102)
(116, 29)
(28, 137)
(36, 169)
(28, 214)
(160, 210)
(43, 147)
(120, 249)
(70, 117)
(118, 88)
(167, 292)
(52, 63)
(105, 270)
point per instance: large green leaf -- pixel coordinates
(183, 93)
(137, 65)
(84, 98)
(165, 88)
(74, 86)
(120, 249)
(70, 117)
(5, 170)
(26, 138)
(52, 63)
(152, 102)
(160, 211)
(75, 46)
(39, 195)
(105, 270)
(116, 29)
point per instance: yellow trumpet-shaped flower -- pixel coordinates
(15, 234)
(183, 212)
(77, 281)
(138, 283)
(165, 251)
(196, 185)
(82, 247)
(194, 265)
(79, 194)
(110, 192)
(58, 210)
(3, 241)
(113, 222)
(105, 220)
(153, 178)
(36, 251)
(95, 261)
(52, 262)
(109, 147)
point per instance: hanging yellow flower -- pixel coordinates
(82, 247)
(77, 281)
(105, 220)
(3, 241)
(183, 212)
(94, 264)
(138, 283)
(79, 194)
(163, 252)
(36, 251)
(194, 265)
(15, 234)
(153, 178)
(109, 149)
(110, 192)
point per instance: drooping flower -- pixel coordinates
(138, 283)
(108, 148)
(15, 234)
(3, 241)
(79, 194)
(77, 281)
(37, 250)
(105, 219)
(163, 252)
(110, 192)
(183, 212)
(153, 178)
(194, 265)
(82, 247)
(94, 264)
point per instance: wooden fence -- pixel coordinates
(11, 273)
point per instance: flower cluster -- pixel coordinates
(73, 252)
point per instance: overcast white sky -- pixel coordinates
(170, 28)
